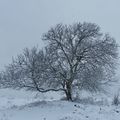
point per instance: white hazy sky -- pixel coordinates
(22, 22)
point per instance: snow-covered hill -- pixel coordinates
(21, 105)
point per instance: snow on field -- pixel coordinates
(21, 105)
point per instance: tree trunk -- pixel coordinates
(68, 91)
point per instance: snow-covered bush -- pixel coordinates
(116, 100)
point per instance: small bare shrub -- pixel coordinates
(116, 100)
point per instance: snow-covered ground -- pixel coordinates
(26, 105)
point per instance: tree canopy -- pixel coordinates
(77, 56)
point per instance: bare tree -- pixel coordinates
(37, 75)
(30, 70)
(77, 57)
(82, 56)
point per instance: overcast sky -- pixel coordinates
(22, 22)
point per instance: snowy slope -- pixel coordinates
(21, 105)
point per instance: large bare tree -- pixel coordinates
(83, 57)
(76, 57)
